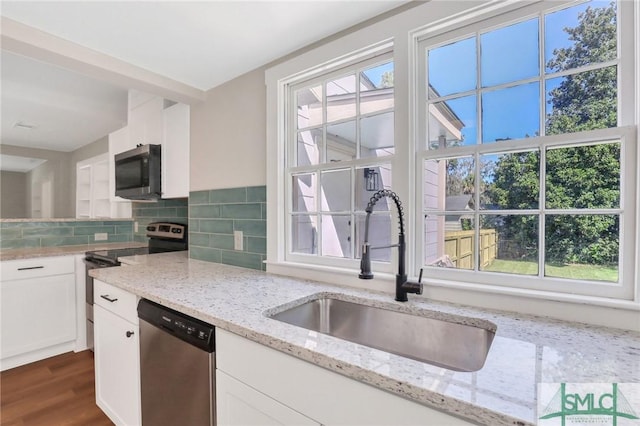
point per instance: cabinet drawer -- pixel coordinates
(37, 267)
(116, 300)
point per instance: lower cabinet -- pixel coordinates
(37, 309)
(259, 385)
(240, 405)
(117, 354)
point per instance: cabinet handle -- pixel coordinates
(106, 297)
(30, 267)
(129, 333)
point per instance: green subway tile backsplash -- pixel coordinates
(214, 216)
(41, 233)
(174, 210)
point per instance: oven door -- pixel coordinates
(88, 285)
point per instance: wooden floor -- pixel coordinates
(55, 391)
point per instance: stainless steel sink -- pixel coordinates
(450, 344)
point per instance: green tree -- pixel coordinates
(577, 177)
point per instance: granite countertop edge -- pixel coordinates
(37, 252)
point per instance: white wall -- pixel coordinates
(228, 131)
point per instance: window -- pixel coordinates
(522, 153)
(341, 143)
(508, 129)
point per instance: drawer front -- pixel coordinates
(37, 267)
(116, 300)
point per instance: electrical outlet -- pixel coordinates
(101, 236)
(135, 226)
(237, 240)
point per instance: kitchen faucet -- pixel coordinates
(403, 287)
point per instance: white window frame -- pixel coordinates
(375, 56)
(406, 30)
(624, 288)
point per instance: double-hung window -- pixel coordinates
(340, 144)
(510, 131)
(526, 170)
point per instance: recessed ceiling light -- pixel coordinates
(21, 125)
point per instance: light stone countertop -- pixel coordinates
(34, 252)
(527, 350)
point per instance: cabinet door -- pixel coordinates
(175, 152)
(117, 364)
(145, 122)
(241, 405)
(36, 313)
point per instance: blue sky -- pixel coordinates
(508, 54)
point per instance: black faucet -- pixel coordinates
(403, 287)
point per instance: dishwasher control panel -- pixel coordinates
(184, 327)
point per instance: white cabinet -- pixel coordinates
(145, 122)
(314, 392)
(240, 405)
(117, 354)
(175, 151)
(93, 198)
(37, 309)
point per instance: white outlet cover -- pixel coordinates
(237, 240)
(101, 236)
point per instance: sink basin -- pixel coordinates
(449, 343)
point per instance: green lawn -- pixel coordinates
(574, 271)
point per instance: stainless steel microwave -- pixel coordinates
(138, 173)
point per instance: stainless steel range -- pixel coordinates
(163, 237)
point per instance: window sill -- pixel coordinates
(568, 307)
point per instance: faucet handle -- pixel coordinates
(420, 276)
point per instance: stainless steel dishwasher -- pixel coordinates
(177, 367)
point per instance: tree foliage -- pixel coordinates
(576, 177)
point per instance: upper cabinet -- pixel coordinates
(175, 151)
(157, 121)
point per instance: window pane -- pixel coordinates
(304, 192)
(379, 236)
(584, 247)
(336, 235)
(453, 123)
(336, 190)
(304, 234)
(309, 103)
(509, 244)
(376, 135)
(368, 181)
(510, 180)
(510, 53)
(308, 149)
(583, 101)
(376, 88)
(341, 142)
(511, 113)
(341, 98)
(450, 184)
(583, 177)
(452, 68)
(580, 35)
(449, 241)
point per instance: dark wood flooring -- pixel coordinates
(55, 391)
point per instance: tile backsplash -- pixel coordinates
(214, 215)
(48, 233)
(174, 210)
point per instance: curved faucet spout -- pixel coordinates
(402, 286)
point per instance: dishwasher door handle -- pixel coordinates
(107, 298)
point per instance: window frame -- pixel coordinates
(403, 32)
(625, 132)
(319, 76)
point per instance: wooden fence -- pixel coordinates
(459, 246)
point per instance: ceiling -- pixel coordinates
(199, 44)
